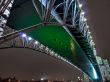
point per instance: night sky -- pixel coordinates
(98, 15)
(25, 64)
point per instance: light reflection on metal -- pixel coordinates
(95, 74)
(7, 13)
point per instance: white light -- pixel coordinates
(67, 61)
(85, 19)
(59, 57)
(4, 21)
(42, 79)
(82, 13)
(95, 74)
(62, 58)
(87, 26)
(12, 1)
(36, 42)
(52, 52)
(1, 31)
(56, 54)
(90, 37)
(29, 38)
(91, 40)
(6, 12)
(10, 5)
(78, 77)
(80, 5)
(23, 35)
(89, 32)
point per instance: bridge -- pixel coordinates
(59, 25)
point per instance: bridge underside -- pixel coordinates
(56, 37)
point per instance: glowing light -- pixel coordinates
(81, 79)
(23, 35)
(52, 52)
(42, 79)
(87, 26)
(29, 38)
(56, 54)
(89, 32)
(67, 61)
(1, 31)
(59, 57)
(62, 58)
(10, 5)
(36, 42)
(4, 21)
(6, 12)
(85, 19)
(90, 37)
(82, 13)
(80, 5)
(78, 78)
(9, 80)
(33, 79)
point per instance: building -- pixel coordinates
(104, 67)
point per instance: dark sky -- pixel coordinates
(98, 15)
(26, 64)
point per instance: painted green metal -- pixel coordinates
(55, 37)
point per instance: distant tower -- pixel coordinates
(104, 67)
